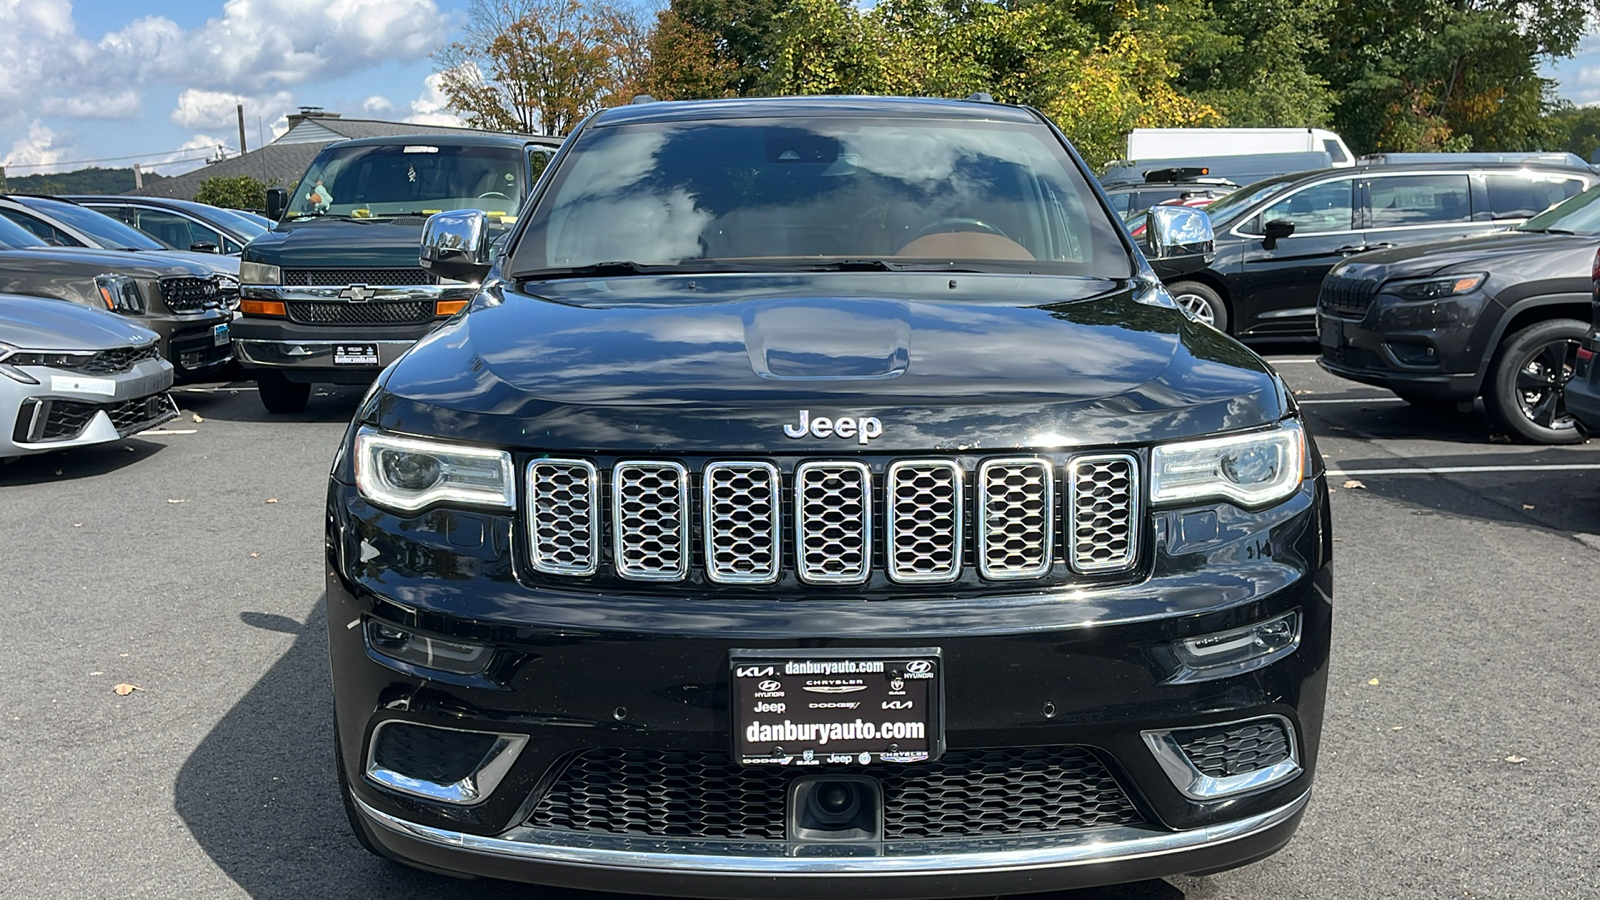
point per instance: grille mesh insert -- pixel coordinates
(1014, 524)
(564, 530)
(833, 533)
(117, 360)
(436, 755)
(1104, 498)
(1235, 749)
(977, 793)
(401, 312)
(342, 277)
(924, 498)
(187, 294)
(650, 521)
(741, 522)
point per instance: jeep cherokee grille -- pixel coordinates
(830, 523)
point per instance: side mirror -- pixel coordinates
(1178, 231)
(1276, 230)
(455, 244)
(203, 247)
(277, 202)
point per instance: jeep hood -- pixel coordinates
(721, 363)
(1481, 252)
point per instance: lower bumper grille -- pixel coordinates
(1235, 749)
(42, 421)
(963, 794)
(341, 277)
(403, 312)
(199, 351)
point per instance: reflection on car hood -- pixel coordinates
(35, 324)
(1478, 252)
(341, 243)
(719, 363)
(94, 261)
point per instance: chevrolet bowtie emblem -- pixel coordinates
(358, 293)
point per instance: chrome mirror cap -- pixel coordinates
(1178, 231)
(455, 244)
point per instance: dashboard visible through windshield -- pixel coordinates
(371, 182)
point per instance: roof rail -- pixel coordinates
(980, 97)
(641, 98)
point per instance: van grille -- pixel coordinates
(835, 523)
(342, 277)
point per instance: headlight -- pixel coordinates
(259, 273)
(1435, 288)
(407, 474)
(120, 293)
(1251, 469)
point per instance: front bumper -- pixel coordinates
(1422, 350)
(66, 410)
(306, 353)
(577, 672)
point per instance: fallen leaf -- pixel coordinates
(122, 654)
(1337, 428)
(124, 689)
(272, 499)
(1396, 727)
(170, 500)
(254, 555)
(1301, 392)
(1499, 438)
(131, 449)
(58, 471)
(96, 673)
(1333, 490)
(1354, 485)
(1373, 682)
(1527, 506)
(1338, 540)
(77, 524)
(196, 417)
(1513, 758)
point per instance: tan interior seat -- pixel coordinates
(964, 245)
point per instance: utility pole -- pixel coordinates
(239, 108)
(138, 177)
(2, 179)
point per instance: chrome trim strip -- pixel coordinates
(801, 567)
(981, 501)
(475, 788)
(774, 530)
(1134, 521)
(591, 539)
(958, 538)
(618, 547)
(313, 354)
(1198, 786)
(380, 293)
(769, 858)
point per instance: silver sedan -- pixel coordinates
(71, 376)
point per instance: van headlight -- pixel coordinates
(1252, 469)
(259, 273)
(407, 474)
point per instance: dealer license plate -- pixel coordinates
(857, 707)
(219, 335)
(355, 354)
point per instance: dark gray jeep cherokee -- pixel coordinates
(822, 498)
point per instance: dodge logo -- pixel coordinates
(863, 429)
(358, 293)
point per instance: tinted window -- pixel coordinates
(106, 231)
(1521, 195)
(1419, 200)
(1324, 207)
(1580, 215)
(15, 237)
(417, 179)
(46, 232)
(175, 230)
(1335, 152)
(1121, 202)
(804, 191)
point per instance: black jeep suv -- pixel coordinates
(821, 497)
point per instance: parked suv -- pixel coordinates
(184, 224)
(182, 301)
(822, 498)
(1277, 238)
(334, 293)
(1499, 316)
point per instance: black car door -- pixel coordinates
(1276, 290)
(1415, 209)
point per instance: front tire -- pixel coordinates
(1527, 385)
(1201, 302)
(279, 394)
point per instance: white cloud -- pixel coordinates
(199, 109)
(377, 106)
(120, 105)
(36, 152)
(432, 107)
(194, 153)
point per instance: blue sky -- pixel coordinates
(157, 80)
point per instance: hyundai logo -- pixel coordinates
(769, 686)
(919, 667)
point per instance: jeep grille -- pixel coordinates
(742, 526)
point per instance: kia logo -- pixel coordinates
(754, 672)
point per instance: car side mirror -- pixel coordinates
(455, 244)
(203, 247)
(277, 202)
(1178, 231)
(1275, 231)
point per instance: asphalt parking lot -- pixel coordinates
(1459, 758)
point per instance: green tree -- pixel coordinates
(232, 192)
(714, 48)
(1252, 59)
(1575, 129)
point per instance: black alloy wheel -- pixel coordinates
(1527, 390)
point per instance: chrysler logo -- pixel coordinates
(358, 293)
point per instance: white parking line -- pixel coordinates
(212, 390)
(1356, 400)
(1466, 470)
(1293, 359)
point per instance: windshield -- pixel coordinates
(414, 179)
(1579, 215)
(826, 192)
(106, 231)
(15, 237)
(1237, 202)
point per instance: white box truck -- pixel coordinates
(1161, 143)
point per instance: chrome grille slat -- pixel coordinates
(833, 522)
(1103, 512)
(923, 502)
(1015, 517)
(650, 520)
(564, 526)
(742, 522)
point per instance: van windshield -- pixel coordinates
(374, 182)
(819, 193)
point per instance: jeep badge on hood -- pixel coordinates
(863, 429)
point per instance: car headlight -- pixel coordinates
(120, 293)
(259, 273)
(1435, 288)
(406, 474)
(1251, 469)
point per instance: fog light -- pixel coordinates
(401, 645)
(1228, 653)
